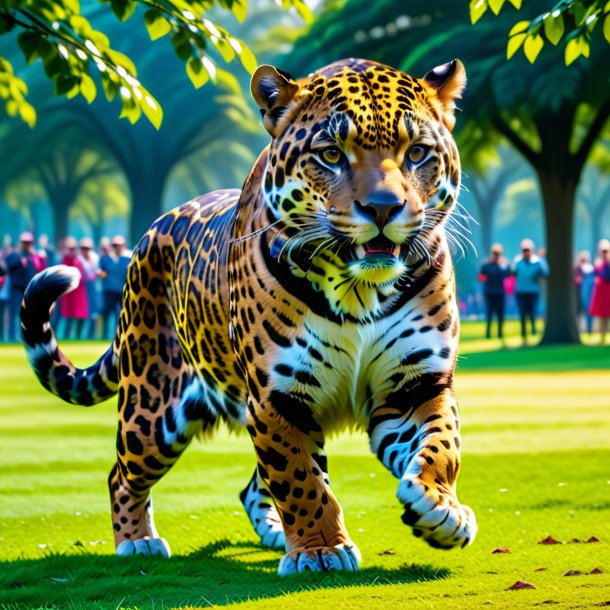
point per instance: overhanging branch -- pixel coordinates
(516, 140)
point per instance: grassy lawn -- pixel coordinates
(536, 462)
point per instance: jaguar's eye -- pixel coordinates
(331, 155)
(417, 154)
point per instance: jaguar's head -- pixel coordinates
(362, 166)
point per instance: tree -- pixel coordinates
(219, 132)
(577, 19)
(62, 36)
(489, 166)
(100, 200)
(550, 114)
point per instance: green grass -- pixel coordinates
(536, 461)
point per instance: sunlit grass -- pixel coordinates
(536, 449)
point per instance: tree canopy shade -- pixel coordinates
(551, 114)
(59, 34)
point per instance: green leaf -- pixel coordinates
(110, 84)
(64, 84)
(518, 28)
(12, 107)
(156, 24)
(304, 11)
(99, 39)
(477, 9)
(151, 108)
(585, 48)
(72, 5)
(532, 47)
(87, 87)
(29, 43)
(80, 25)
(27, 113)
(514, 42)
(123, 9)
(606, 29)
(554, 28)
(496, 6)
(131, 111)
(122, 60)
(225, 49)
(240, 10)
(572, 51)
(247, 58)
(196, 72)
(182, 45)
(579, 10)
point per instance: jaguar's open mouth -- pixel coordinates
(378, 246)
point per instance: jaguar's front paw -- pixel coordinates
(320, 559)
(435, 514)
(144, 546)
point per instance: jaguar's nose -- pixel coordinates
(381, 207)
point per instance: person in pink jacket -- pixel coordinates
(74, 307)
(600, 300)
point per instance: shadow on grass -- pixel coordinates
(217, 574)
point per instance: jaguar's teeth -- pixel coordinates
(360, 251)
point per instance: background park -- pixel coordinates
(534, 137)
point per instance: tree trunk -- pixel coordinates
(558, 193)
(97, 231)
(486, 213)
(61, 203)
(146, 203)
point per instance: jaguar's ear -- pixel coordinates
(446, 83)
(273, 90)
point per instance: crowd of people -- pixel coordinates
(91, 310)
(524, 279)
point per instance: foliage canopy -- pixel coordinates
(62, 36)
(574, 21)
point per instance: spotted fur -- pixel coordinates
(320, 296)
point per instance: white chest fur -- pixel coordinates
(346, 370)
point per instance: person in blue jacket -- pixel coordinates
(113, 271)
(494, 270)
(529, 270)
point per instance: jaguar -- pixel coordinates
(319, 297)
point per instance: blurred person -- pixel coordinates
(73, 306)
(600, 300)
(21, 266)
(542, 301)
(584, 280)
(46, 251)
(494, 270)
(529, 269)
(113, 271)
(5, 285)
(90, 262)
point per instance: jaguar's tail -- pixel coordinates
(54, 371)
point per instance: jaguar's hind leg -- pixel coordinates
(150, 439)
(261, 511)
